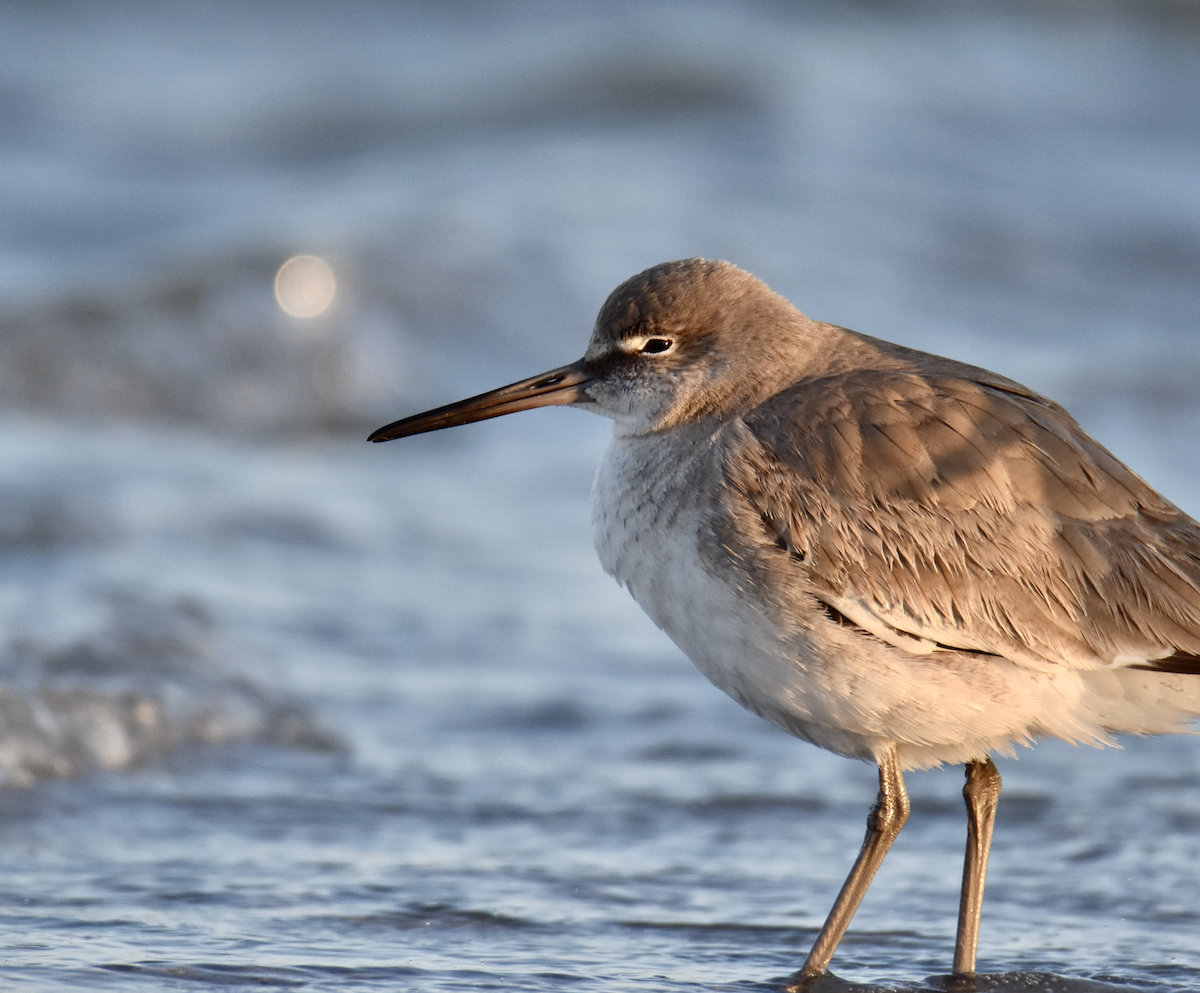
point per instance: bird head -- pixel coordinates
(680, 341)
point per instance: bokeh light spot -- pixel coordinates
(305, 286)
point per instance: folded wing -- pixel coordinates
(951, 508)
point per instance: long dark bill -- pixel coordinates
(558, 386)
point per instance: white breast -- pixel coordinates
(650, 503)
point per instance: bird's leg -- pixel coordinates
(884, 822)
(982, 793)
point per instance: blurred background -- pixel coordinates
(278, 707)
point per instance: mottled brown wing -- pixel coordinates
(942, 511)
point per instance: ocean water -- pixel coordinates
(281, 708)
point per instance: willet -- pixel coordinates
(895, 556)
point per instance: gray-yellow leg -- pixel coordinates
(982, 793)
(884, 822)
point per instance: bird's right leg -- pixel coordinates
(884, 822)
(982, 793)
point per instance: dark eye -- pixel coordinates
(655, 345)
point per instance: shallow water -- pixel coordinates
(279, 708)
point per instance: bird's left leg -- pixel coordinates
(886, 819)
(982, 793)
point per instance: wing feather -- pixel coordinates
(949, 507)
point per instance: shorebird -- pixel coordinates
(895, 556)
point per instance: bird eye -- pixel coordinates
(654, 346)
